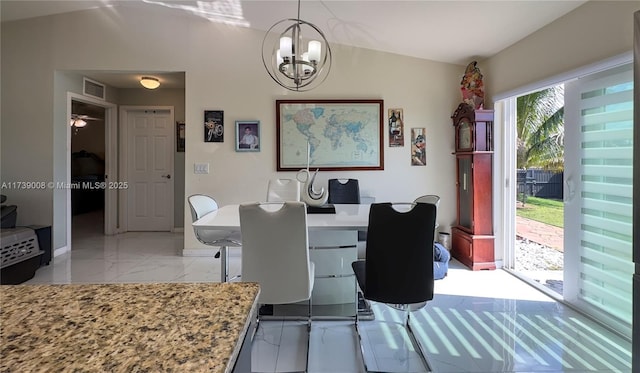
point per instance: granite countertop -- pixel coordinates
(184, 327)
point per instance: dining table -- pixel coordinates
(333, 239)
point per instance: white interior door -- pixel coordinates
(598, 195)
(149, 165)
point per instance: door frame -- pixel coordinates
(124, 169)
(505, 183)
(111, 162)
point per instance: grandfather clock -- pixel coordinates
(472, 240)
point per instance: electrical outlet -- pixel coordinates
(201, 168)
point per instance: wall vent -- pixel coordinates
(93, 89)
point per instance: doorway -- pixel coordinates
(539, 212)
(87, 162)
(147, 135)
(597, 195)
(97, 118)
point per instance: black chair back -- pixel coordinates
(399, 264)
(344, 193)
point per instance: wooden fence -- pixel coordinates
(540, 183)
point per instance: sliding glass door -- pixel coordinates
(598, 195)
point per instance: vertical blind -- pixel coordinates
(606, 179)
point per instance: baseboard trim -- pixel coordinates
(61, 250)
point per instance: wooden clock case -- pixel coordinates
(472, 240)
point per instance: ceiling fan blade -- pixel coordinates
(84, 117)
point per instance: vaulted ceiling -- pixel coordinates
(450, 31)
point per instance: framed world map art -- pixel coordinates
(330, 135)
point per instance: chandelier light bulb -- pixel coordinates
(285, 47)
(315, 48)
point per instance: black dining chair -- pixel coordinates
(398, 269)
(344, 191)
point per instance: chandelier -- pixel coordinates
(296, 59)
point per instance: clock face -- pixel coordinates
(464, 135)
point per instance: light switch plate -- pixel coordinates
(201, 168)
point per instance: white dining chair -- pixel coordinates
(429, 198)
(275, 253)
(202, 205)
(280, 190)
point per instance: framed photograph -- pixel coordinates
(180, 136)
(329, 134)
(247, 136)
(213, 126)
(396, 127)
(418, 147)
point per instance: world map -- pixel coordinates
(331, 135)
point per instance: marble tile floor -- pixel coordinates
(487, 321)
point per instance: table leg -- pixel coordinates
(224, 264)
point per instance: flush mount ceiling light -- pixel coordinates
(286, 60)
(149, 82)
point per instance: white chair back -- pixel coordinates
(275, 251)
(429, 198)
(202, 205)
(280, 190)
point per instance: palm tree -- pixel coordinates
(541, 129)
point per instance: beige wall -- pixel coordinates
(593, 32)
(223, 71)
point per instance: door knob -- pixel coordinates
(167, 176)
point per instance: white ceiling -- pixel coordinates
(451, 31)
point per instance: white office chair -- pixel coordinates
(275, 253)
(280, 190)
(201, 205)
(429, 198)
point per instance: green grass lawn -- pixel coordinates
(548, 211)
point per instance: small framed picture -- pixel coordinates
(213, 126)
(418, 145)
(396, 127)
(180, 136)
(248, 136)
